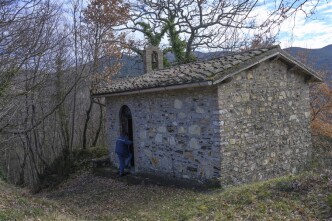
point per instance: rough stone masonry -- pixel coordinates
(266, 124)
(175, 132)
(237, 119)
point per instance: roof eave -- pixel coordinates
(156, 89)
(314, 77)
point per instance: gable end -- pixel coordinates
(278, 54)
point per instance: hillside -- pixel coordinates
(87, 197)
(319, 59)
(19, 204)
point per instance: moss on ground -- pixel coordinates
(87, 197)
(19, 204)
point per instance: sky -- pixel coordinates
(313, 32)
(310, 32)
(299, 31)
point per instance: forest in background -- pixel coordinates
(52, 54)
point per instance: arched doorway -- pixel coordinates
(126, 127)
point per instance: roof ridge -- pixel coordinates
(210, 70)
(216, 58)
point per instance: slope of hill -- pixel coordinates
(19, 204)
(319, 59)
(88, 197)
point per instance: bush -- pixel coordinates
(322, 157)
(2, 174)
(329, 201)
(79, 159)
(66, 164)
(82, 157)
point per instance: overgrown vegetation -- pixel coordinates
(84, 196)
(17, 204)
(69, 163)
(322, 154)
(87, 197)
(2, 175)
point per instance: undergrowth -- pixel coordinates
(68, 163)
(2, 174)
(82, 157)
(86, 197)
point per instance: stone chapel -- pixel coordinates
(236, 119)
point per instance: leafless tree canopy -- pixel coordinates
(218, 24)
(45, 65)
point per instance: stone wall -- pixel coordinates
(266, 116)
(175, 132)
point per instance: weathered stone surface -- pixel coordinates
(182, 115)
(194, 144)
(161, 129)
(142, 134)
(171, 135)
(177, 104)
(253, 127)
(181, 130)
(159, 138)
(194, 130)
(269, 134)
(200, 110)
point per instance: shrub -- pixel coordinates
(2, 174)
(82, 157)
(329, 201)
(322, 157)
(66, 164)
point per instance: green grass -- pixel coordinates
(85, 197)
(18, 204)
(260, 201)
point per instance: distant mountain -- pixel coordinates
(199, 55)
(320, 59)
(133, 65)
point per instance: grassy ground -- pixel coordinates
(19, 204)
(87, 197)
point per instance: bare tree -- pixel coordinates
(212, 24)
(27, 41)
(320, 97)
(45, 80)
(259, 41)
(321, 106)
(100, 18)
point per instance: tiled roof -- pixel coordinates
(212, 71)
